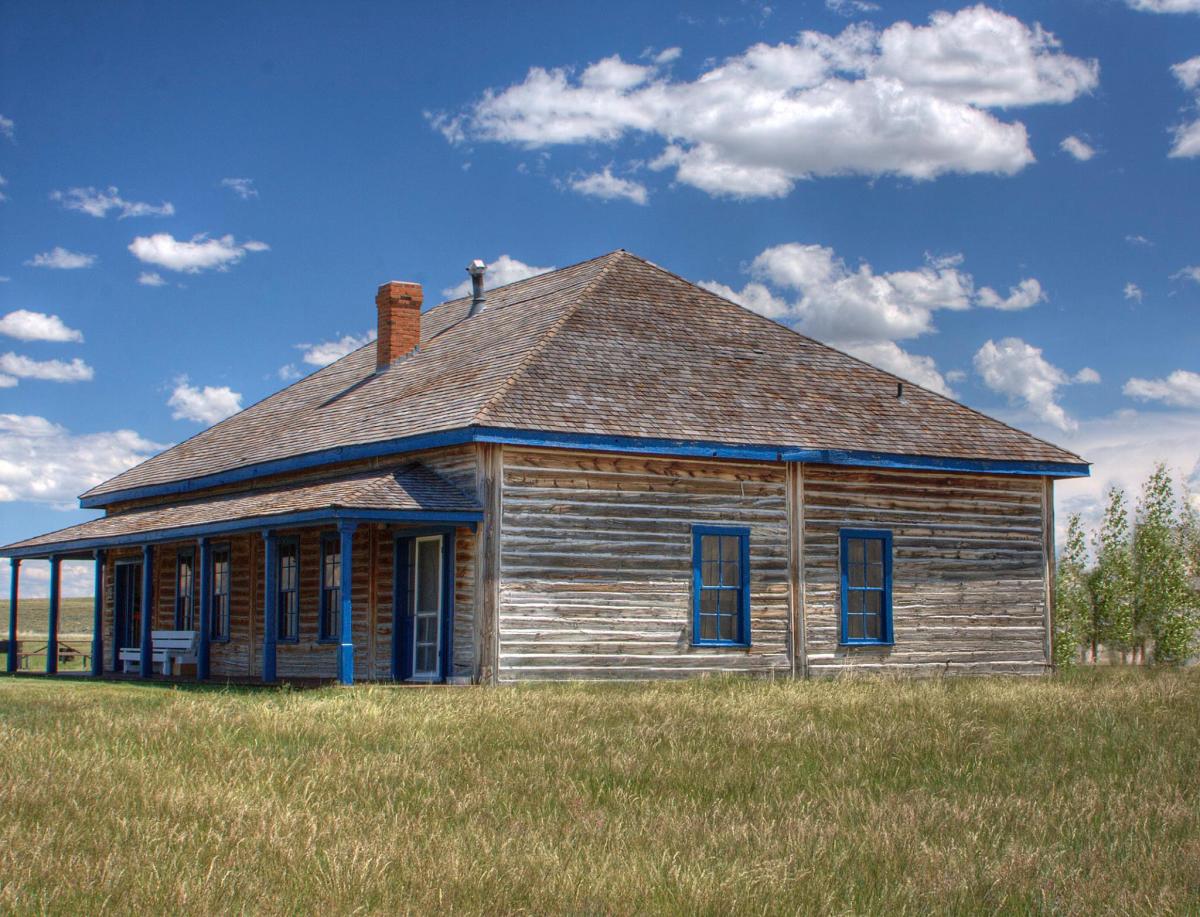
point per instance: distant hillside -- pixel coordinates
(32, 614)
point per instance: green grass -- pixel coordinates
(1077, 795)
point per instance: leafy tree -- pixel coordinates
(1112, 580)
(1162, 597)
(1073, 607)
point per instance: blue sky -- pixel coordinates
(997, 201)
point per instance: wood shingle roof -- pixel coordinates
(413, 489)
(614, 347)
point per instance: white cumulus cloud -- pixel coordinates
(1017, 370)
(98, 203)
(22, 367)
(206, 405)
(608, 187)
(850, 8)
(1187, 135)
(1191, 272)
(914, 101)
(1133, 292)
(327, 352)
(1180, 389)
(504, 270)
(151, 279)
(61, 259)
(1025, 294)
(43, 462)
(25, 325)
(863, 312)
(242, 187)
(8, 128)
(1080, 149)
(1165, 6)
(200, 253)
(1124, 448)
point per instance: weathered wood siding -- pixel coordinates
(595, 575)
(969, 572)
(459, 466)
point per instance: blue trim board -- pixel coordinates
(886, 631)
(566, 440)
(80, 549)
(401, 615)
(345, 650)
(742, 533)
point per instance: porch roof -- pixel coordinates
(412, 493)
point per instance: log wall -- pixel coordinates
(969, 569)
(595, 577)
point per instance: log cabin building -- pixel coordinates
(599, 472)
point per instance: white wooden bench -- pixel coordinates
(169, 647)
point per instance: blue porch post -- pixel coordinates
(270, 607)
(98, 617)
(52, 628)
(202, 660)
(146, 668)
(13, 595)
(345, 659)
(448, 571)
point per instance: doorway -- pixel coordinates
(127, 607)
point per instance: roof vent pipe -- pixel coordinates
(478, 301)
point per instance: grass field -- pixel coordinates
(74, 629)
(74, 617)
(1077, 795)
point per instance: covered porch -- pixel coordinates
(369, 576)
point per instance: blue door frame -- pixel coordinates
(402, 616)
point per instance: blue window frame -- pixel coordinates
(185, 590)
(221, 581)
(331, 587)
(720, 586)
(287, 587)
(866, 562)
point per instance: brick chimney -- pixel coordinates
(399, 307)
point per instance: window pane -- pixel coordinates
(426, 659)
(731, 572)
(854, 627)
(708, 627)
(854, 602)
(708, 601)
(710, 573)
(710, 548)
(727, 602)
(857, 577)
(726, 623)
(875, 550)
(426, 629)
(429, 555)
(855, 548)
(874, 602)
(729, 548)
(875, 576)
(873, 626)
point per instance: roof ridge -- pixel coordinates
(542, 344)
(544, 274)
(850, 356)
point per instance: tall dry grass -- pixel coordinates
(1075, 795)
